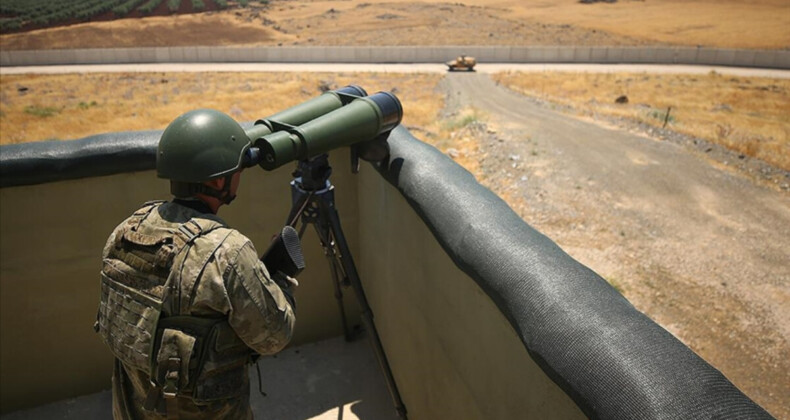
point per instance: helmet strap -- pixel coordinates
(227, 197)
(190, 189)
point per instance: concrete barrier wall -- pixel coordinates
(779, 59)
(50, 249)
(453, 353)
(53, 233)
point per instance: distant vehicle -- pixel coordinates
(463, 62)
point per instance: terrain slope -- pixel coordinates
(724, 23)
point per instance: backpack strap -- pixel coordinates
(133, 222)
(184, 279)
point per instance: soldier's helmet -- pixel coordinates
(199, 146)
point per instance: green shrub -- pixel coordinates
(173, 5)
(86, 105)
(124, 8)
(41, 111)
(662, 115)
(9, 24)
(198, 5)
(41, 20)
(149, 6)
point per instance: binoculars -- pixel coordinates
(341, 117)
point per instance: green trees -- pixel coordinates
(9, 24)
(17, 14)
(124, 8)
(173, 5)
(149, 6)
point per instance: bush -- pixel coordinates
(173, 5)
(198, 5)
(41, 20)
(149, 6)
(9, 24)
(124, 8)
(41, 111)
(87, 105)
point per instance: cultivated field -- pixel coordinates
(26, 15)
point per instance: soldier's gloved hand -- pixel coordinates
(286, 283)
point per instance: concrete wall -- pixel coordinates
(634, 55)
(50, 247)
(453, 353)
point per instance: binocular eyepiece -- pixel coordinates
(337, 118)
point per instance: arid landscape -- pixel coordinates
(727, 24)
(706, 258)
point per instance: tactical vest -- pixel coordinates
(143, 281)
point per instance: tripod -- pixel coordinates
(313, 201)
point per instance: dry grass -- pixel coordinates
(716, 23)
(458, 138)
(40, 107)
(748, 115)
(721, 23)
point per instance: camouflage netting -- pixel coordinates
(615, 362)
(611, 359)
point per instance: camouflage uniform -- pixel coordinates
(185, 305)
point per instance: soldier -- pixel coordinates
(186, 304)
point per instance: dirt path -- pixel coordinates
(390, 68)
(700, 250)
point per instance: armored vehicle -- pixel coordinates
(462, 62)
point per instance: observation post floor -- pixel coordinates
(326, 380)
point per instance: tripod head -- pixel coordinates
(313, 174)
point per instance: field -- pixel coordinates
(747, 115)
(726, 23)
(37, 107)
(25, 15)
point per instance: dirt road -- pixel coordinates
(702, 251)
(389, 68)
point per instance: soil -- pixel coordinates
(700, 249)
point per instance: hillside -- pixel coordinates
(729, 23)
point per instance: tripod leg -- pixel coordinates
(324, 236)
(328, 212)
(301, 230)
(300, 201)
